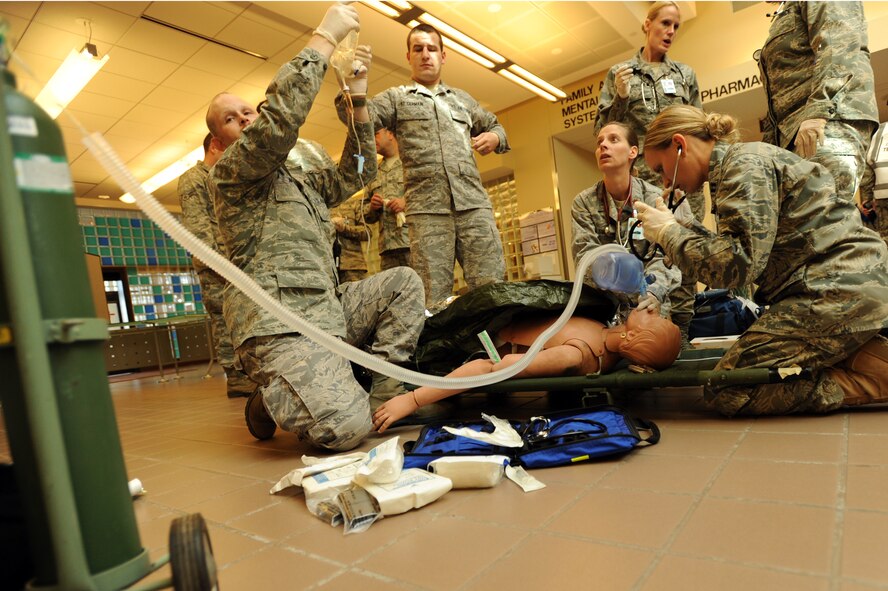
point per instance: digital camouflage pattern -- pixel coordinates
(273, 210)
(815, 64)
(647, 95)
(389, 183)
(352, 234)
(434, 130)
(437, 240)
(592, 227)
(780, 225)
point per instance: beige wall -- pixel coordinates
(718, 44)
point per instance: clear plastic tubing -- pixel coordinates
(111, 162)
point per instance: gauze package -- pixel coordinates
(471, 471)
(315, 465)
(383, 464)
(503, 433)
(415, 488)
(326, 485)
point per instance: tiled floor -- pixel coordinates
(780, 503)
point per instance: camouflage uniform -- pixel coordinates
(449, 213)
(647, 97)
(815, 64)
(871, 191)
(781, 226)
(595, 222)
(275, 225)
(352, 262)
(200, 219)
(394, 241)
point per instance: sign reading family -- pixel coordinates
(581, 105)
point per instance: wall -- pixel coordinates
(576, 170)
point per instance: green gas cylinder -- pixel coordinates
(50, 256)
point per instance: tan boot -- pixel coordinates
(864, 376)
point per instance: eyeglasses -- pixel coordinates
(651, 248)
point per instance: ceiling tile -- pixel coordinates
(73, 149)
(176, 100)
(252, 94)
(235, 7)
(290, 51)
(91, 121)
(273, 20)
(223, 61)
(120, 87)
(596, 33)
(106, 187)
(197, 82)
(17, 27)
(569, 14)
(143, 113)
(261, 76)
(127, 147)
(256, 37)
(38, 66)
(82, 188)
(131, 8)
(49, 41)
(90, 102)
(201, 17)
(105, 24)
(153, 39)
(85, 169)
(24, 10)
(141, 66)
(148, 132)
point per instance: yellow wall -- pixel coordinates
(718, 43)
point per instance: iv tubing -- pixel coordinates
(111, 162)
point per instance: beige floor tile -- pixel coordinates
(866, 488)
(275, 568)
(792, 482)
(864, 540)
(769, 534)
(351, 581)
(276, 522)
(702, 443)
(869, 419)
(235, 503)
(831, 423)
(507, 504)
(582, 474)
(230, 547)
(550, 562)
(670, 474)
(190, 496)
(791, 447)
(443, 554)
(642, 518)
(867, 449)
(676, 572)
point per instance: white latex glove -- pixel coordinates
(654, 219)
(649, 302)
(361, 67)
(623, 81)
(339, 20)
(338, 223)
(810, 135)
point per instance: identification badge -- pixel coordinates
(638, 232)
(668, 85)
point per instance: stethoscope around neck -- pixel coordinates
(651, 248)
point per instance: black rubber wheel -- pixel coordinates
(191, 555)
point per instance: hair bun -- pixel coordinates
(721, 126)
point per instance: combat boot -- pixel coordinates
(260, 424)
(385, 388)
(864, 375)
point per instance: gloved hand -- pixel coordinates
(809, 136)
(338, 223)
(654, 219)
(649, 302)
(485, 143)
(623, 81)
(339, 20)
(361, 68)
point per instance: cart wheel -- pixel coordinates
(191, 555)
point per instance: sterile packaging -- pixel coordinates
(359, 510)
(315, 465)
(471, 471)
(383, 464)
(414, 489)
(326, 485)
(503, 433)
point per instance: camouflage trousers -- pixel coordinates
(881, 208)
(843, 153)
(347, 275)
(396, 257)
(682, 297)
(759, 349)
(311, 391)
(470, 237)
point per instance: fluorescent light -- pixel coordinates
(383, 8)
(461, 38)
(531, 87)
(401, 4)
(67, 82)
(538, 81)
(173, 171)
(451, 44)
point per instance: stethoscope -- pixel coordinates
(619, 214)
(650, 251)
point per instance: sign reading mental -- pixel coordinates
(581, 105)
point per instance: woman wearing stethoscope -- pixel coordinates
(605, 212)
(634, 92)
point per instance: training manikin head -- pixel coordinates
(649, 339)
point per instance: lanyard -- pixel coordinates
(629, 201)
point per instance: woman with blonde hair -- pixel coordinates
(635, 91)
(780, 225)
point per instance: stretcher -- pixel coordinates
(692, 368)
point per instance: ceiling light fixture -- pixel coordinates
(467, 46)
(171, 172)
(67, 82)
